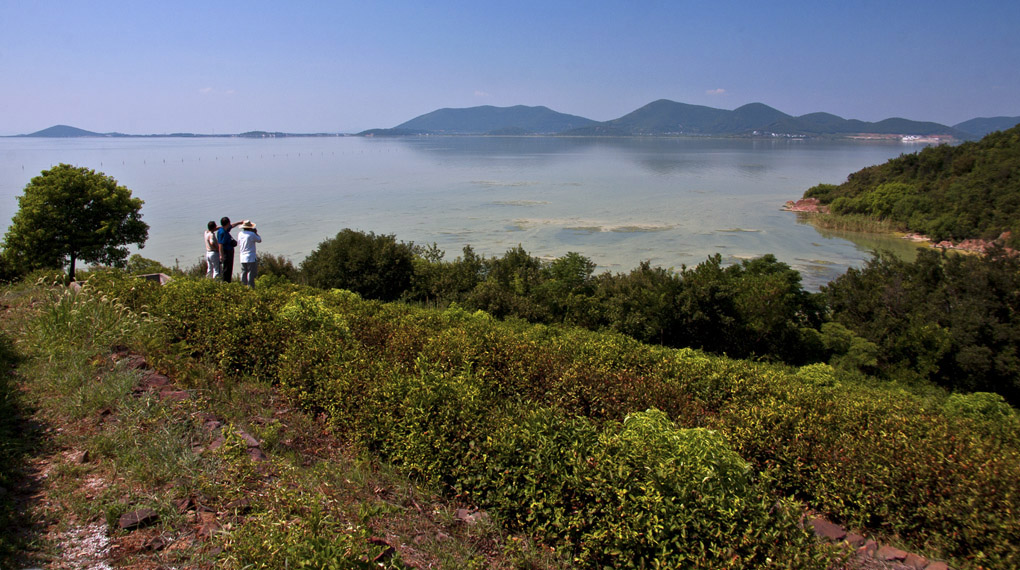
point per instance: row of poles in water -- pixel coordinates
(248, 157)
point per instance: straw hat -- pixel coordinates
(248, 225)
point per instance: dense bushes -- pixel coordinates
(950, 319)
(753, 308)
(634, 495)
(527, 421)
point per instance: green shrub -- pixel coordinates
(877, 458)
(138, 265)
(989, 412)
(818, 374)
(638, 494)
(429, 420)
(376, 267)
(277, 266)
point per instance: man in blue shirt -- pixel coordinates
(227, 244)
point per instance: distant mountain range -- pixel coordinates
(66, 132)
(666, 118)
(659, 118)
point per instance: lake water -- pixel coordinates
(617, 201)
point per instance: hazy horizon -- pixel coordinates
(232, 67)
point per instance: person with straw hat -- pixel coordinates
(246, 241)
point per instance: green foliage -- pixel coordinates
(138, 265)
(754, 308)
(86, 320)
(527, 421)
(980, 406)
(72, 213)
(818, 374)
(224, 323)
(949, 319)
(277, 266)
(509, 286)
(633, 495)
(292, 530)
(376, 267)
(847, 349)
(948, 193)
(989, 411)
(947, 487)
(441, 283)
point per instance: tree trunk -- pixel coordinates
(70, 270)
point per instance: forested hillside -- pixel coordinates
(945, 192)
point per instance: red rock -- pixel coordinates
(854, 540)
(79, 457)
(937, 566)
(827, 529)
(868, 549)
(174, 395)
(889, 553)
(806, 205)
(137, 519)
(469, 517)
(155, 544)
(155, 380)
(915, 561)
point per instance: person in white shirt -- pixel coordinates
(246, 241)
(212, 252)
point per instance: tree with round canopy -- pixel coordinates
(71, 213)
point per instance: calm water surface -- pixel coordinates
(617, 201)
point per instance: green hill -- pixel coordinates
(661, 117)
(945, 192)
(982, 126)
(664, 117)
(488, 119)
(64, 131)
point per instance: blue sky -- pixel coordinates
(225, 67)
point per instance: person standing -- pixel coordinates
(246, 241)
(212, 252)
(227, 244)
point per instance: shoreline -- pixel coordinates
(970, 245)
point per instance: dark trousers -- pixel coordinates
(227, 266)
